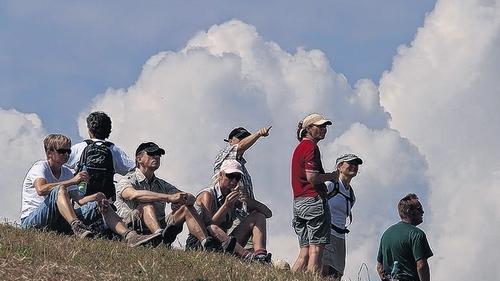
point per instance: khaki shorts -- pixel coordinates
(135, 222)
(311, 220)
(334, 254)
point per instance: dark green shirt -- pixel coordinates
(406, 244)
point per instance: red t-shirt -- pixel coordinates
(306, 157)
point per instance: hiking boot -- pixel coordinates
(170, 233)
(134, 239)
(81, 230)
(209, 245)
(229, 245)
(262, 257)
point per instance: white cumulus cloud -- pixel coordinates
(443, 93)
(229, 76)
(21, 138)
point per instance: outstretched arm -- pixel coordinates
(317, 178)
(247, 142)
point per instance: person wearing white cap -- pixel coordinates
(340, 199)
(240, 140)
(217, 205)
(311, 215)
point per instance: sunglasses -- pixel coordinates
(63, 150)
(154, 153)
(233, 176)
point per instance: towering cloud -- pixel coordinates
(21, 145)
(443, 94)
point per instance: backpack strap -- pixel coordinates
(83, 156)
(349, 200)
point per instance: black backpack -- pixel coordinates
(98, 161)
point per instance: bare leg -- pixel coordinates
(193, 221)
(302, 260)
(64, 206)
(314, 264)
(114, 222)
(149, 217)
(254, 224)
(222, 236)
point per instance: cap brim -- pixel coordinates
(150, 149)
(322, 122)
(358, 161)
(232, 170)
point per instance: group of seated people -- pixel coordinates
(72, 191)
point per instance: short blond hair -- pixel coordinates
(54, 141)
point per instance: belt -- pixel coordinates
(340, 230)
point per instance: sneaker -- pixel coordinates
(81, 230)
(134, 239)
(262, 257)
(229, 245)
(209, 245)
(170, 233)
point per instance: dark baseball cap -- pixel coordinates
(149, 147)
(239, 133)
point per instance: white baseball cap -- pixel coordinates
(231, 166)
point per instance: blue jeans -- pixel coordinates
(47, 215)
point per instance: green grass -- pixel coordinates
(35, 255)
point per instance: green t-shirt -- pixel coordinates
(406, 244)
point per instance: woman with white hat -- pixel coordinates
(311, 215)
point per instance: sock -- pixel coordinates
(260, 251)
(124, 235)
(246, 254)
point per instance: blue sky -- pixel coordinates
(55, 56)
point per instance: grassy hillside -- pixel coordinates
(33, 255)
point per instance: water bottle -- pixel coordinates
(82, 186)
(241, 207)
(395, 271)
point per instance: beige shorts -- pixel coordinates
(334, 254)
